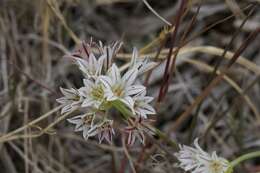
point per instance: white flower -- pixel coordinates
(136, 129)
(196, 160)
(143, 65)
(121, 88)
(105, 131)
(105, 87)
(70, 100)
(92, 93)
(84, 123)
(142, 106)
(91, 67)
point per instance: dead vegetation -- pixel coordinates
(210, 90)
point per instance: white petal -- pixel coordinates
(84, 91)
(68, 93)
(83, 65)
(129, 77)
(129, 102)
(92, 61)
(148, 109)
(100, 64)
(88, 102)
(134, 89)
(76, 119)
(106, 81)
(146, 66)
(115, 74)
(76, 103)
(93, 131)
(143, 115)
(62, 100)
(66, 108)
(147, 99)
(110, 96)
(85, 132)
(88, 83)
(134, 58)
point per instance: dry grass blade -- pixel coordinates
(205, 67)
(196, 38)
(243, 61)
(214, 82)
(14, 132)
(218, 51)
(155, 13)
(54, 7)
(128, 156)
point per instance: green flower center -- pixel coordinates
(98, 92)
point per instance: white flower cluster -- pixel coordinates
(105, 86)
(196, 160)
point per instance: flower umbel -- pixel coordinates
(106, 87)
(105, 131)
(197, 160)
(92, 93)
(121, 88)
(136, 129)
(141, 105)
(84, 123)
(91, 67)
(71, 99)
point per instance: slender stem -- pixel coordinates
(245, 157)
(29, 124)
(122, 109)
(13, 135)
(131, 163)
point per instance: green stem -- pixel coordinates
(242, 158)
(245, 157)
(121, 108)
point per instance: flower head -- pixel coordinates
(136, 130)
(197, 160)
(105, 131)
(92, 94)
(93, 59)
(71, 99)
(142, 65)
(121, 88)
(105, 87)
(91, 67)
(84, 123)
(141, 105)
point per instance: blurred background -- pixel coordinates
(34, 36)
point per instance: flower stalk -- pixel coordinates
(242, 158)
